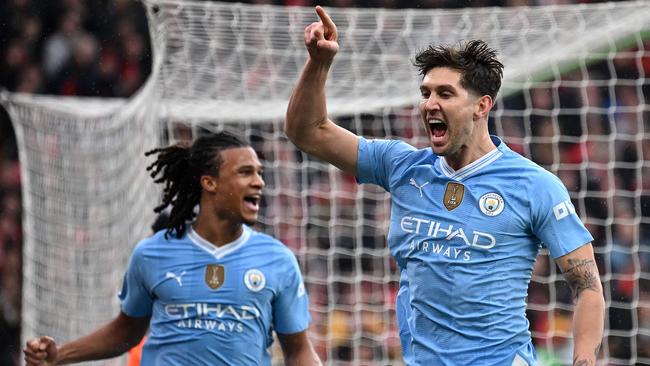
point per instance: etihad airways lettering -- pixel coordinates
(242, 312)
(435, 248)
(211, 325)
(436, 230)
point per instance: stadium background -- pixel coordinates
(101, 48)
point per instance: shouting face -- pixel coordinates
(237, 190)
(449, 112)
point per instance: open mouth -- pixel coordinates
(252, 201)
(438, 128)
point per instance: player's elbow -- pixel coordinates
(291, 127)
(593, 300)
(302, 135)
(289, 130)
(599, 300)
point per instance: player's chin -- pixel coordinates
(439, 149)
(249, 219)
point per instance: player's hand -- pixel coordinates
(41, 352)
(321, 38)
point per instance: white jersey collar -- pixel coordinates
(473, 167)
(219, 252)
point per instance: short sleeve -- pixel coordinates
(291, 305)
(376, 160)
(135, 298)
(554, 219)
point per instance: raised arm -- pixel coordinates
(111, 340)
(580, 271)
(307, 124)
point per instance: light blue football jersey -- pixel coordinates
(402, 312)
(214, 305)
(467, 241)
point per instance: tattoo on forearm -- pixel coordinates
(586, 362)
(583, 275)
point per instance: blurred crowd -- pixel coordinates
(101, 48)
(68, 47)
(73, 47)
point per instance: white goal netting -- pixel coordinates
(575, 99)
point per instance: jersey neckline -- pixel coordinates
(219, 252)
(480, 163)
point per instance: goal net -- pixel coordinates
(575, 99)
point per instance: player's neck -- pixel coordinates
(471, 152)
(218, 233)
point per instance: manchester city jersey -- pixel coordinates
(214, 305)
(467, 240)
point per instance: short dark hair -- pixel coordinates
(180, 167)
(480, 70)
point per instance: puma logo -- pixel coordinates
(178, 278)
(419, 187)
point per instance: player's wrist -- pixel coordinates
(584, 360)
(320, 63)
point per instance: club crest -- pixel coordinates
(254, 279)
(491, 204)
(214, 275)
(454, 194)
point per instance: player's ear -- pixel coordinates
(483, 106)
(208, 183)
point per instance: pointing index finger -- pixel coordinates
(329, 25)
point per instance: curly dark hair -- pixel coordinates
(180, 167)
(480, 70)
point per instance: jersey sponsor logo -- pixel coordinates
(440, 249)
(563, 209)
(454, 193)
(210, 316)
(254, 279)
(439, 230)
(214, 275)
(301, 290)
(218, 311)
(209, 324)
(416, 185)
(491, 204)
(178, 278)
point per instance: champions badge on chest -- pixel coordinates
(214, 275)
(454, 194)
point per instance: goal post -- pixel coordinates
(575, 99)
(86, 201)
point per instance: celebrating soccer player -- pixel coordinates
(210, 288)
(468, 214)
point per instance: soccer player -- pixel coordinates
(211, 289)
(468, 214)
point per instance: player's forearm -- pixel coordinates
(298, 350)
(111, 340)
(588, 326)
(307, 108)
(305, 357)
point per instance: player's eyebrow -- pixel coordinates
(445, 87)
(438, 88)
(258, 167)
